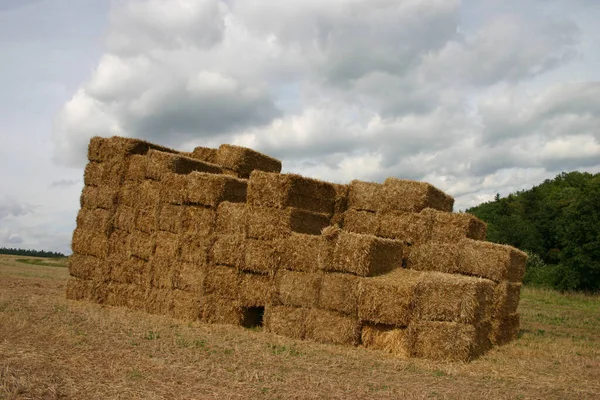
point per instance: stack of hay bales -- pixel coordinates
(221, 236)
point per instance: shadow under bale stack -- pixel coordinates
(221, 236)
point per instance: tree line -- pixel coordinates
(558, 224)
(31, 253)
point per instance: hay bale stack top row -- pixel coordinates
(221, 236)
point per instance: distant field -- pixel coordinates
(54, 348)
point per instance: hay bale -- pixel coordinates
(303, 252)
(286, 321)
(256, 290)
(113, 172)
(388, 299)
(339, 292)
(341, 198)
(160, 163)
(118, 246)
(298, 289)
(159, 301)
(195, 248)
(223, 282)
(231, 219)
(129, 194)
(189, 277)
(92, 175)
(141, 245)
(122, 270)
(148, 194)
(170, 218)
(440, 257)
(98, 219)
(330, 327)
(105, 149)
(167, 245)
(363, 222)
(290, 190)
(206, 154)
(163, 272)
(407, 195)
(140, 271)
(448, 341)
(217, 310)
(412, 228)
(89, 267)
(492, 261)
(366, 255)
(124, 218)
(506, 299)
(452, 227)
(453, 298)
(505, 329)
(364, 196)
(262, 257)
(146, 218)
(136, 168)
(197, 220)
(78, 289)
(101, 196)
(90, 242)
(210, 190)
(229, 250)
(243, 160)
(390, 339)
(172, 188)
(272, 223)
(186, 306)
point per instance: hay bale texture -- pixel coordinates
(219, 235)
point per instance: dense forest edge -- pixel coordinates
(31, 253)
(558, 224)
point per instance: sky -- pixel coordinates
(476, 97)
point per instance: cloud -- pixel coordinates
(11, 208)
(62, 183)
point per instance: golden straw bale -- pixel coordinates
(113, 172)
(79, 289)
(506, 299)
(243, 160)
(146, 218)
(90, 242)
(159, 301)
(303, 252)
(141, 245)
(102, 196)
(92, 175)
(169, 218)
(172, 188)
(140, 272)
(195, 248)
(388, 338)
(364, 222)
(440, 257)
(124, 218)
(452, 227)
(89, 267)
(256, 290)
(204, 154)
(118, 246)
(364, 196)
(286, 321)
(262, 256)
(330, 327)
(122, 270)
(407, 195)
(129, 194)
(167, 245)
(298, 289)
(366, 255)
(341, 198)
(275, 190)
(339, 292)
(222, 281)
(136, 168)
(454, 298)
(410, 227)
(186, 306)
(163, 272)
(229, 250)
(231, 218)
(104, 149)
(505, 329)
(272, 223)
(388, 299)
(217, 310)
(160, 163)
(490, 260)
(98, 220)
(197, 220)
(437, 340)
(116, 294)
(189, 276)
(210, 189)
(149, 194)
